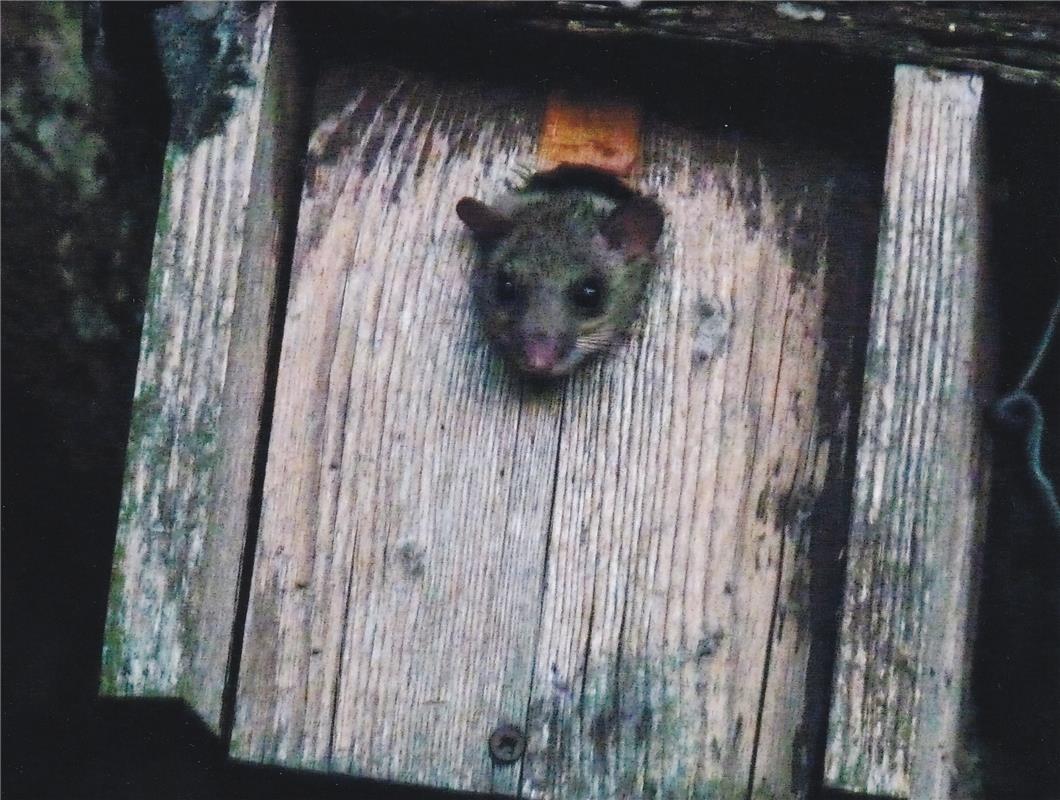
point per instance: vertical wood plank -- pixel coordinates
(921, 477)
(689, 467)
(814, 518)
(200, 386)
(409, 482)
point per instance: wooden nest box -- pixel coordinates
(351, 541)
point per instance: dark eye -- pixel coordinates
(508, 291)
(588, 295)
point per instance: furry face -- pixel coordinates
(565, 264)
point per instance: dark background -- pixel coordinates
(74, 266)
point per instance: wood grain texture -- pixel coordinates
(444, 548)
(592, 131)
(921, 476)
(690, 466)
(397, 578)
(199, 391)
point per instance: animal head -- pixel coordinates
(563, 272)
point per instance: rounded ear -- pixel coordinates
(634, 227)
(483, 221)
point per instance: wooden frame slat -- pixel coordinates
(201, 384)
(921, 479)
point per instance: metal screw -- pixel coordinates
(507, 744)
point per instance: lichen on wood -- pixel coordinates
(200, 387)
(922, 471)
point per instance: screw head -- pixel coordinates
(507, 744)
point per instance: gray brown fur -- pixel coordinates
(565, 264)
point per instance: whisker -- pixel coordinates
(597, 340)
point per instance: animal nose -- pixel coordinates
(541, 352)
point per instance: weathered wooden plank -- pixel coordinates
(397, 580)
(688, 469)
(200, 386)
(921, 468)
(424, 515)
(1015, 42)
(814, 517)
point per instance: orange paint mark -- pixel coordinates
(602, 134)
